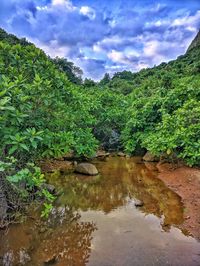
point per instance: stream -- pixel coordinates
(95, 222)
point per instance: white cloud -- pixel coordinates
(97, 48)
(116, 56)
(141, 65)
(88, 11)
(53, 49)
(67, 4)
(125, 57)
(58, 2)
(151, 48)
(187, 20)
(55, 4)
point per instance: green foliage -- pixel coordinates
(165, 120)
(105, 80)
(46, 111)
(178, 133)
(27, 181)
(73, 72)
(47, 209)
(88, 83)
(42, 114)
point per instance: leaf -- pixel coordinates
(34, 144)
(24, 146)
(2, 169)
(168, 151)
(12, 150)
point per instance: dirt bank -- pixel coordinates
(185, 182)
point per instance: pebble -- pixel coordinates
(138, 203)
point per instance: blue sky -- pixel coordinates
(105, 36)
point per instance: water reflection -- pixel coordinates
(62, 240)
(121, 180)
(84, 215)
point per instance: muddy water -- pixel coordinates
(95, 222)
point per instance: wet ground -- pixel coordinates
(95, 222)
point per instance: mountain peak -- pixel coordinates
(195, 42)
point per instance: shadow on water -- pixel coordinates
(95, 219)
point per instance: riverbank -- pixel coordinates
(185, 181)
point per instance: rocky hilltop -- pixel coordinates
(196, 42)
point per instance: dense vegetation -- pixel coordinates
(47, 110)
(163, 108)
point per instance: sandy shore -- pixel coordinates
(185, 181)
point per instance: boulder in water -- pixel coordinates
(121, 154)
(86, 169)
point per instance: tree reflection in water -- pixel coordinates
(120, 182)
(69, 241)
(63, 240)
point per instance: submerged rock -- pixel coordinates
(138, 203)
(86, 169)
(149, 157)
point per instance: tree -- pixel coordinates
(105, 80)
(73, 72)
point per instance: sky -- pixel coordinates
(105, 35)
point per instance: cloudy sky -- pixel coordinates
(105, 35)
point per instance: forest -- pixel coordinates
(48, 110)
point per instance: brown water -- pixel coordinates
(95, 222)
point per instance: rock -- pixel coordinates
(8, 258)
(148, 157)
(138, 203)
(102, 154)
(86, 169)
(111, 141)
(75, 163)
(24, 257)
(121, 154)
(195, 43)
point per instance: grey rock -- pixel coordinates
(121, 154)
(86, 169)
